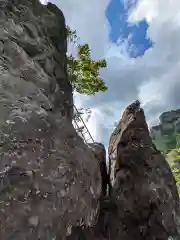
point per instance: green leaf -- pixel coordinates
(83, 71)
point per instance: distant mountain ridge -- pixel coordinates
(166, 134)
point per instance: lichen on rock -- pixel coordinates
(52, 185)
(49, 179)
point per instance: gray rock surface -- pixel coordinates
(100, 154)
(49, 179)
(144, 190)
(51, 183)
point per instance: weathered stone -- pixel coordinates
(49, 179)
(100, 154)
(166, 134)
(51, 183)
(33, 221)
(144, 190)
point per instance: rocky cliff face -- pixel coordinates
(52, 185)
(100, 154)
(49, 179)
(144, 189)
(165, 135)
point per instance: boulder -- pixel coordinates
(144, 189)
(49, 179)
(52, 185)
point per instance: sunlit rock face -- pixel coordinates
(49, 179)
(144, 189)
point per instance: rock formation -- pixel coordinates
(165, 135)
(144, 190)
(100, 154)
(49, 179)
(52, 185)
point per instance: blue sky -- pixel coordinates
(117, 15)
(136, 68)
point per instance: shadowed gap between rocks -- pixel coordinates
(52, 185)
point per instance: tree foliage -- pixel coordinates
(83, 71)
(176, 172)
(174, 161)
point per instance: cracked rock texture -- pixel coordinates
(52, 185)
(49, 179)
(144, 189)
(100, 154)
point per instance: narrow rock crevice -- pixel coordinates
(52, 185)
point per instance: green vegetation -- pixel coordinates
(176, 172)
(170, 148)
(160, 143)
(83, 71)
(173, 158)
(170, 143)
(166, 143)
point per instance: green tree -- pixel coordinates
(83, 71)
(176, 172)
(173, 159)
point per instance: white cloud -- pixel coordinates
(154, 77)
(44, 1)
(163, 60)
(144, 10)
(89, 20)
(158, 10)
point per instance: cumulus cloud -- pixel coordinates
(89, 20)
(154, 78)
(163, 60)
